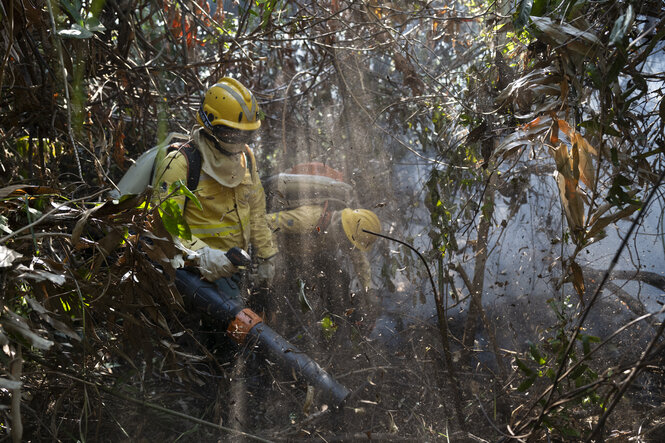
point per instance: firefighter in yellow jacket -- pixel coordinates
(229, 188)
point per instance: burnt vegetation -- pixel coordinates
(514, 149)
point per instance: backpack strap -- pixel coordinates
(193, 157)
(194, 160)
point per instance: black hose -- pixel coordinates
(224, 307)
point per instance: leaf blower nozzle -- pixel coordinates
(241, 322)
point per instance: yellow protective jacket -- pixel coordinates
(230, 216)
(311, 220)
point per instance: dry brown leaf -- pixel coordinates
(522, 138)
(39, 275)
(562, 160)
(532, 124)
(572, 166)
(577, 280)
(47, 316)
(309, 398)
(409, 75)
(565, 127)
(586, 168)
(530, 88)
(575, 166)
(8, 256)
(577, 40)
(554, 132)
(571, 199)
(23, 189)
(564, 90)
(78, 228)
(161, 321)
(602, 222)
(18, 325)
(582, 152)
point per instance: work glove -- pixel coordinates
(213, 264)
(265, 272)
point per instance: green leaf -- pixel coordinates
(93, 25)
(96, 7)
(617, 195)
(524, 368)
(617, 66)
(622, 25)
(74, 9)
(586, 345)
(179, 188)
(76, 31)
(535, 354)
(586, 342)
(570, 432)
(539, 7)
(269, 7)
(523, 14)
(173, 220)
(577, 373)
(594, 74)
(550, 374)
(328, 326)
(22, 145)
(526, 384)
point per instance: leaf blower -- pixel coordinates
(242, 323)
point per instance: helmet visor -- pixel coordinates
(232, 136)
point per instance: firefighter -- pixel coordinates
(228, 187)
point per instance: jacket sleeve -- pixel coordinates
(171, 169)
(301, 220)
(260, 233)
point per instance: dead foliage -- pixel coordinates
(96, 342)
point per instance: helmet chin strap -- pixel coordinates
(217, 144)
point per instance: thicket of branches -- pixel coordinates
(469, 88)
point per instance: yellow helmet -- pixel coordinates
(354, 221)
(229, 103)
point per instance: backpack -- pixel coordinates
(307, 184)
(142, 173)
